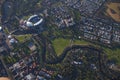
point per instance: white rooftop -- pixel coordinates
(32, 17)
(29, 24)
(13, 40)
(30, 76)
(9, 36)
(0, 28)
(39, 22)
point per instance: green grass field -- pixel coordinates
(22, 38)
(60, 44)
(113, 54)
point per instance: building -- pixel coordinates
(12, 40)
(33, 24)
(32, 46)
(30, 77)
(36, 20)
(1, 29)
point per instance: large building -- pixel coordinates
(34, 23)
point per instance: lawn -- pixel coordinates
(6, 31)
(113, 54)
(22, 38)
(60, 44)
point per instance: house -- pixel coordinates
(30, 77)
(76, 63)
(32, 46)
(2, 49)
(40, 78)
(13, 41)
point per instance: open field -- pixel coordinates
(60, 44)
(113, 11)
